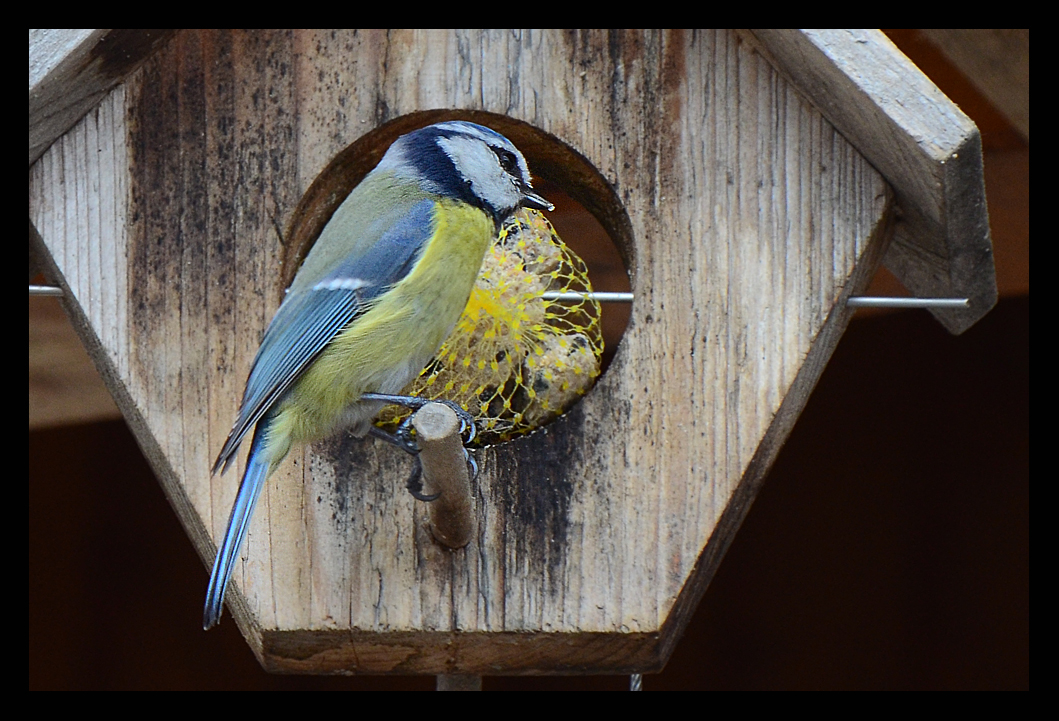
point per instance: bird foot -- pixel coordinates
(404, 438)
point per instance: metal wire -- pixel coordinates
(602, 297)
(854, 302)
(861, 301)
(864, 301)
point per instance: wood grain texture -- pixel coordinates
(746, 222)
(925, 147)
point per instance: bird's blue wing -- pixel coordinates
(308, 319)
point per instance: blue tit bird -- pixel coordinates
(375, 298)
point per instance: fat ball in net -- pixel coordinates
(515, 360)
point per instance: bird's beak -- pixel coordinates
(532, 200)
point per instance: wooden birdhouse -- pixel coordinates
(752, 181)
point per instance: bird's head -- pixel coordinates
(466, 162)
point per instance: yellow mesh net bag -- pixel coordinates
(516, 360)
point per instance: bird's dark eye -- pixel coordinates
(508, 161)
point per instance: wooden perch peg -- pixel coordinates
(445, 472)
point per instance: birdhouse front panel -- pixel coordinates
(174, 214)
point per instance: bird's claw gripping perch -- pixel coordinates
(404, 431)
(472, 463)
(404, 438)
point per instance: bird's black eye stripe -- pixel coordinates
(508, 161)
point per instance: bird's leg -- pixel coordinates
(414, 484)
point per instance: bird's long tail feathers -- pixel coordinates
(258, 467)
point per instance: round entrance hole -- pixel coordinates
(588, 216)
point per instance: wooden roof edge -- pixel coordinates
(71, 70)
(921, 142)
